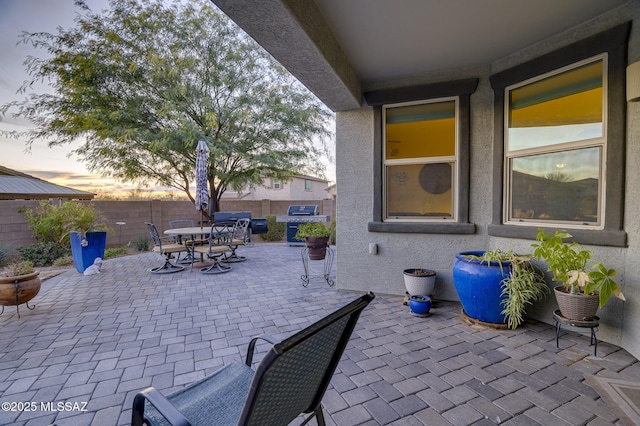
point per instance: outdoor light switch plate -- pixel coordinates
(373, 248)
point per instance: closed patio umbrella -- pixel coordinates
(202, 192)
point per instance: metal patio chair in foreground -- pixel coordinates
(290, 380)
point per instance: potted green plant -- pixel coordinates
(19, 284)
(316, 236)
(496, 286)
(80, 225)
(419, 281)
(581, 292)
(87, 234)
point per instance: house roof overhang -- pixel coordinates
(339, 49)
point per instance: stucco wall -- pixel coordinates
(382, 272)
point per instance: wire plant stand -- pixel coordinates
(328, 264)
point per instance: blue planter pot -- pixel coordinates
(479, 286)
(84, 254)
(420, 305)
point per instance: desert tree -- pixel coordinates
(141, 82)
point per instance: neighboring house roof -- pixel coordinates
(15, 185)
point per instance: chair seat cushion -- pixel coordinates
(215, 400)
(169, 248)
(212, 249)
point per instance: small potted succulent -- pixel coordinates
(582, 292)
(420, 305)
(316, 236)
(19, 284)
(419, 281)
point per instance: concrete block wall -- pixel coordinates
(14, 231)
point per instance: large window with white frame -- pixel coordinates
(420, 160)
(555, 147)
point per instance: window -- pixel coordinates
(421, 148)
(420, 167)
(307, 185)
(559, 142)
(555, 145)
(276, 184)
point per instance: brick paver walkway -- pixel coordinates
(100, 339)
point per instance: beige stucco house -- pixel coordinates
(298, 187)
(469, 124)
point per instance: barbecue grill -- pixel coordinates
(297, 215)
(257, 226)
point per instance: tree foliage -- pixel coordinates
(142, 82)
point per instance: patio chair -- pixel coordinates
(240, 237)
(216, 247)
(166, 247)
(180, 223)
(186, 240)
(290, 380)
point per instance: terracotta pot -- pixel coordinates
(20, 289)
(577, 307)
(317, 247)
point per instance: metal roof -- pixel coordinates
(15, 185)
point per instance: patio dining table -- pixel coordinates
(203, 232)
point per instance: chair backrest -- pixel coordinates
(293, 376)
(241, 230)
(155, 237)
(181, 223)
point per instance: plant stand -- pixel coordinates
(328, 263)
(593, 324)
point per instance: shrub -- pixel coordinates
(52, 223)
(21, 268)
(64, 261)
(312, 229)
(143, 243)
(275, 230)
(42, 254)
(4, 255)
(114, 252)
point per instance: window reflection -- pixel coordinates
(420, 190)
(566, 107)
(561, 186)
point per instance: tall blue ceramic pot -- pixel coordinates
(85, 250)
(479, 286)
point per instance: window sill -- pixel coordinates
(605, 237)
(422, 228)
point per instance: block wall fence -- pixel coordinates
(14, 231)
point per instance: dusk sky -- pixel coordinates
(43, 162)
(52, 164)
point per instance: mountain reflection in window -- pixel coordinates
(558, 187)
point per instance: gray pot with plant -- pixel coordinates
(581, 292)
(419, 281)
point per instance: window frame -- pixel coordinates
(600, 142)
(462, 89)
(614, 43)
(422, 160)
